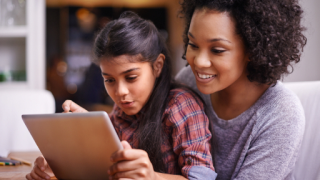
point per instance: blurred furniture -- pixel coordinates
(22, 44)
(14, 136)
(308, 163)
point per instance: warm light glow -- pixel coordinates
(62, 68)
(72, 88)
(86, 19)
(83, 14)
(113, 3)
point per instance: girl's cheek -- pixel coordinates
(110, 93)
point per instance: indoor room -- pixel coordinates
(214, 61)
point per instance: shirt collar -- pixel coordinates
(121, 114)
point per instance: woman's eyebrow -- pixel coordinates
(124, 72)
(210, 40)
(189, 33)
(217, 39)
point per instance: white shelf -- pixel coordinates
(23, 48)
(18, 31)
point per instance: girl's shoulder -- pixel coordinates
(185, 110)
(184, 95)
(184, 105)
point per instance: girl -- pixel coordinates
(164, 127)
(237, 51)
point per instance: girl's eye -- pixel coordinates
(217, 51)
(130, 78)
(109, 80)
(192, 46)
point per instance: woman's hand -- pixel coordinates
(69, 105)
(41, 170)
(131, 164)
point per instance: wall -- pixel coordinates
(308, 68)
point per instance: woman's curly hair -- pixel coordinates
(271, 31)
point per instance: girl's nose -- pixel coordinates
(202, 60)
(122, 89)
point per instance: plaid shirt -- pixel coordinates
(186, 127)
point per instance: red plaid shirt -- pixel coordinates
(186, 126)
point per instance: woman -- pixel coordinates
(237, 51)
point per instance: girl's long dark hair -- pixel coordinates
(132, 35)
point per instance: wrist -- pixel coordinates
(158, 176)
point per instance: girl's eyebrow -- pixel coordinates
(124, 72)
(210, 40)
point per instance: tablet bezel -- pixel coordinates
(75, 145)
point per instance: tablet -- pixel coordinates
(75, 145)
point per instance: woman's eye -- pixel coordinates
(192, 46)
(217, 51)
(109, 80)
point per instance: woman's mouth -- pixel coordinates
(204, 78)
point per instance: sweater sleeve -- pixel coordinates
(275, 143)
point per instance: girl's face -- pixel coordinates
(129, 84)
(215, 52)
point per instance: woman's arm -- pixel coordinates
(170, 176)
(274, 145)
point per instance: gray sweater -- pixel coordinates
(263, 142)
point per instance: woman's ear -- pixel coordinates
(158, 64)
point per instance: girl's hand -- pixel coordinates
(41, 170)
(131, 164)
(69, 105)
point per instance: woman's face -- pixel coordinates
(215, 52)
(129, 84)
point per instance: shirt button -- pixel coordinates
(189, 161)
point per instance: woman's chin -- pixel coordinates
(205, 89)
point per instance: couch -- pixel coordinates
(14, 136)
(308, 163)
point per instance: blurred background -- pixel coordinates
(47, 44)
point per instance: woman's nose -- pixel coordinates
(122, 89)
(202, 60)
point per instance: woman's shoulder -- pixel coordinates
(281, 99)
(185, 76)
(280, 108)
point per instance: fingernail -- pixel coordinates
(47, 177)
(42, 168)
